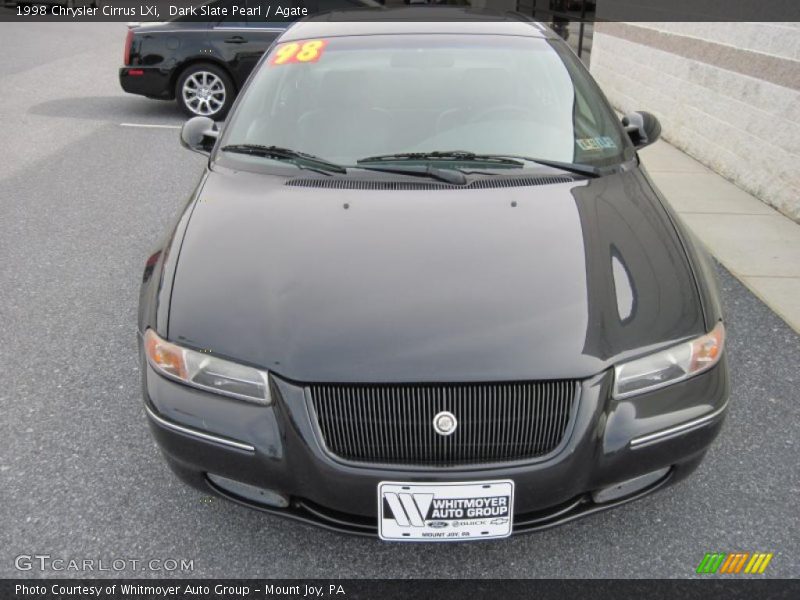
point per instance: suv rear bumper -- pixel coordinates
(152, 82)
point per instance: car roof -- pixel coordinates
(415, 20)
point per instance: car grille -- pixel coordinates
(393, 424)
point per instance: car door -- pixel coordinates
(242, 40)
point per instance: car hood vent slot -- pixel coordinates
(343, 183)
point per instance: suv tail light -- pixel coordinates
(126, 58)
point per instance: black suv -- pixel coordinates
(202, 61)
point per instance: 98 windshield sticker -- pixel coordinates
(445, 512)
(298, 52)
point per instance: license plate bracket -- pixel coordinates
(445, 512)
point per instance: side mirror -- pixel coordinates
(642, 127)
(199, 134)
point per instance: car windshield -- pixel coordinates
(345, 99)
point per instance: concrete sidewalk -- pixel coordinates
(759, 245)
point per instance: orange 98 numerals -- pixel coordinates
(296, 52)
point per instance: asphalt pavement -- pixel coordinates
(83, 200)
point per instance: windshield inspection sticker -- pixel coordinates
(296, 52)
(596, 143)
(445, 512)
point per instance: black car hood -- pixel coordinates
(536, 282)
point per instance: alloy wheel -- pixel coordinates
(204, 93)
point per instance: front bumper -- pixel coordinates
(278, 448)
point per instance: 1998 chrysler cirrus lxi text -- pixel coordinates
(425, 290)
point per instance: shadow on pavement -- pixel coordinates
(112, 108)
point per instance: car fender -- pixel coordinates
(156, 287)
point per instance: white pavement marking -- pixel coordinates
(150, 125)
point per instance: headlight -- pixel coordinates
(206, 372)
(669, 366)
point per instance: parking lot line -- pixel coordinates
(150, 125)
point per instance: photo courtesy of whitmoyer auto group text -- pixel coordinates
(399, 299)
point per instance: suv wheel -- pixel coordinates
(204, 90)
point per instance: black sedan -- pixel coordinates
(425, 290)
(201, 59)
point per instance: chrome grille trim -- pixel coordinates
(391, 424)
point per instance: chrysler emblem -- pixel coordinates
(445, 423)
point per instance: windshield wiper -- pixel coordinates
(579, 168)
(453, 176)
(443, 155)
(276, 152)
(500, 159)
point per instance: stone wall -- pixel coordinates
(728, 94)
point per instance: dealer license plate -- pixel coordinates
(445, 512)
